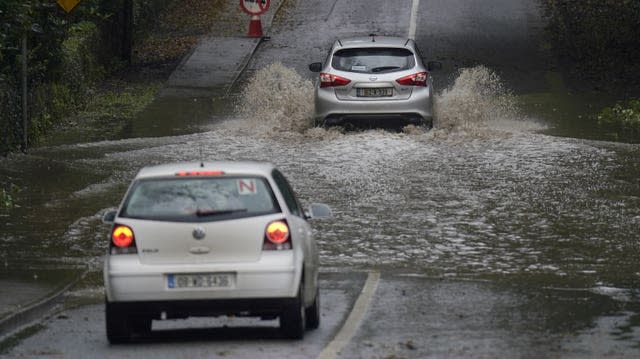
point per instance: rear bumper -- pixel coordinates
(416, 110)
(275, 275)
(376, 120)
(263, 307)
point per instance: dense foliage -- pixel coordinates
(67, 55)
(598, 39)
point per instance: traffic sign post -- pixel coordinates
(255, 8)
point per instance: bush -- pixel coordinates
(622, 120)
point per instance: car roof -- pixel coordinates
(380, 41)
(263, 169)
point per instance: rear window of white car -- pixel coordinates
(199, 199)
(373, 60)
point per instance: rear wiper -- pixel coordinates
(384, 68)
(213, 212)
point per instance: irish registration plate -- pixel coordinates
(375, 92)
(200, 280)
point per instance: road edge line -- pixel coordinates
(354, 319)
(413, 23)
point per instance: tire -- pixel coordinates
(118, 325)
(312, 313)
(292, 318)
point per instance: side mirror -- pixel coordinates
(315, 67)
(434, 65)
(109, 216)
(319, 210)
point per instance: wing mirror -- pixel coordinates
(315, 67)
(109, 216)
(434, 65)
(319, 210)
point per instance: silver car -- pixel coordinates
(374, 81)
(210, 239)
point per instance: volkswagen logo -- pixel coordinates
(198, 233)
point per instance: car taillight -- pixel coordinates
(329, 80)
(122, 240)
(276, 236)
(419, 79)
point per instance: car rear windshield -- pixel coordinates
(373, 60)
(199, 199)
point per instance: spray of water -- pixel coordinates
(278, 100)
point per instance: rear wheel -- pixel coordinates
(118, 325)
(292, 318)
(312, 313)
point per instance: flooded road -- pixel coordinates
(484, 197)
(488, 194)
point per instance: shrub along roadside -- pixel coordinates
(622, 120)
(69, 55)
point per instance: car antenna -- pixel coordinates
(373, 37)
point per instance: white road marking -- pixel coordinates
(414, 19)
(355, 318)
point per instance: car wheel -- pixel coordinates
(292, 318)
(118, 325)
(312, 313)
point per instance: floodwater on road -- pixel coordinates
(483, 195)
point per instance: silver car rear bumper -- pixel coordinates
(416, 110)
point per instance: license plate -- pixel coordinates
(374, 92)
(200, 280)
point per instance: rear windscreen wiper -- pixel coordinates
(213, 212)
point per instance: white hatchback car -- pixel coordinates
(209, 239)
(375, 81)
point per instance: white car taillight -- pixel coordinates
(122, 240)
(276, 236)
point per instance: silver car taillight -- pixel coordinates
(419, 79)
(329, 80)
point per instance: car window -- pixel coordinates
(287, 193)
(373, 60)
(199, 199)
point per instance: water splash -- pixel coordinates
(276, 99)
(479, 105)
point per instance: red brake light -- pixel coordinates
(329, 80)
(419, 79)
(199, 173)
(122, 236)
(277, 236)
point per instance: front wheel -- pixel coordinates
(293, 317)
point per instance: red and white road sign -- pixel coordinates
(255, 7)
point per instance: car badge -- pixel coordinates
(198, 233)
(373, 78)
